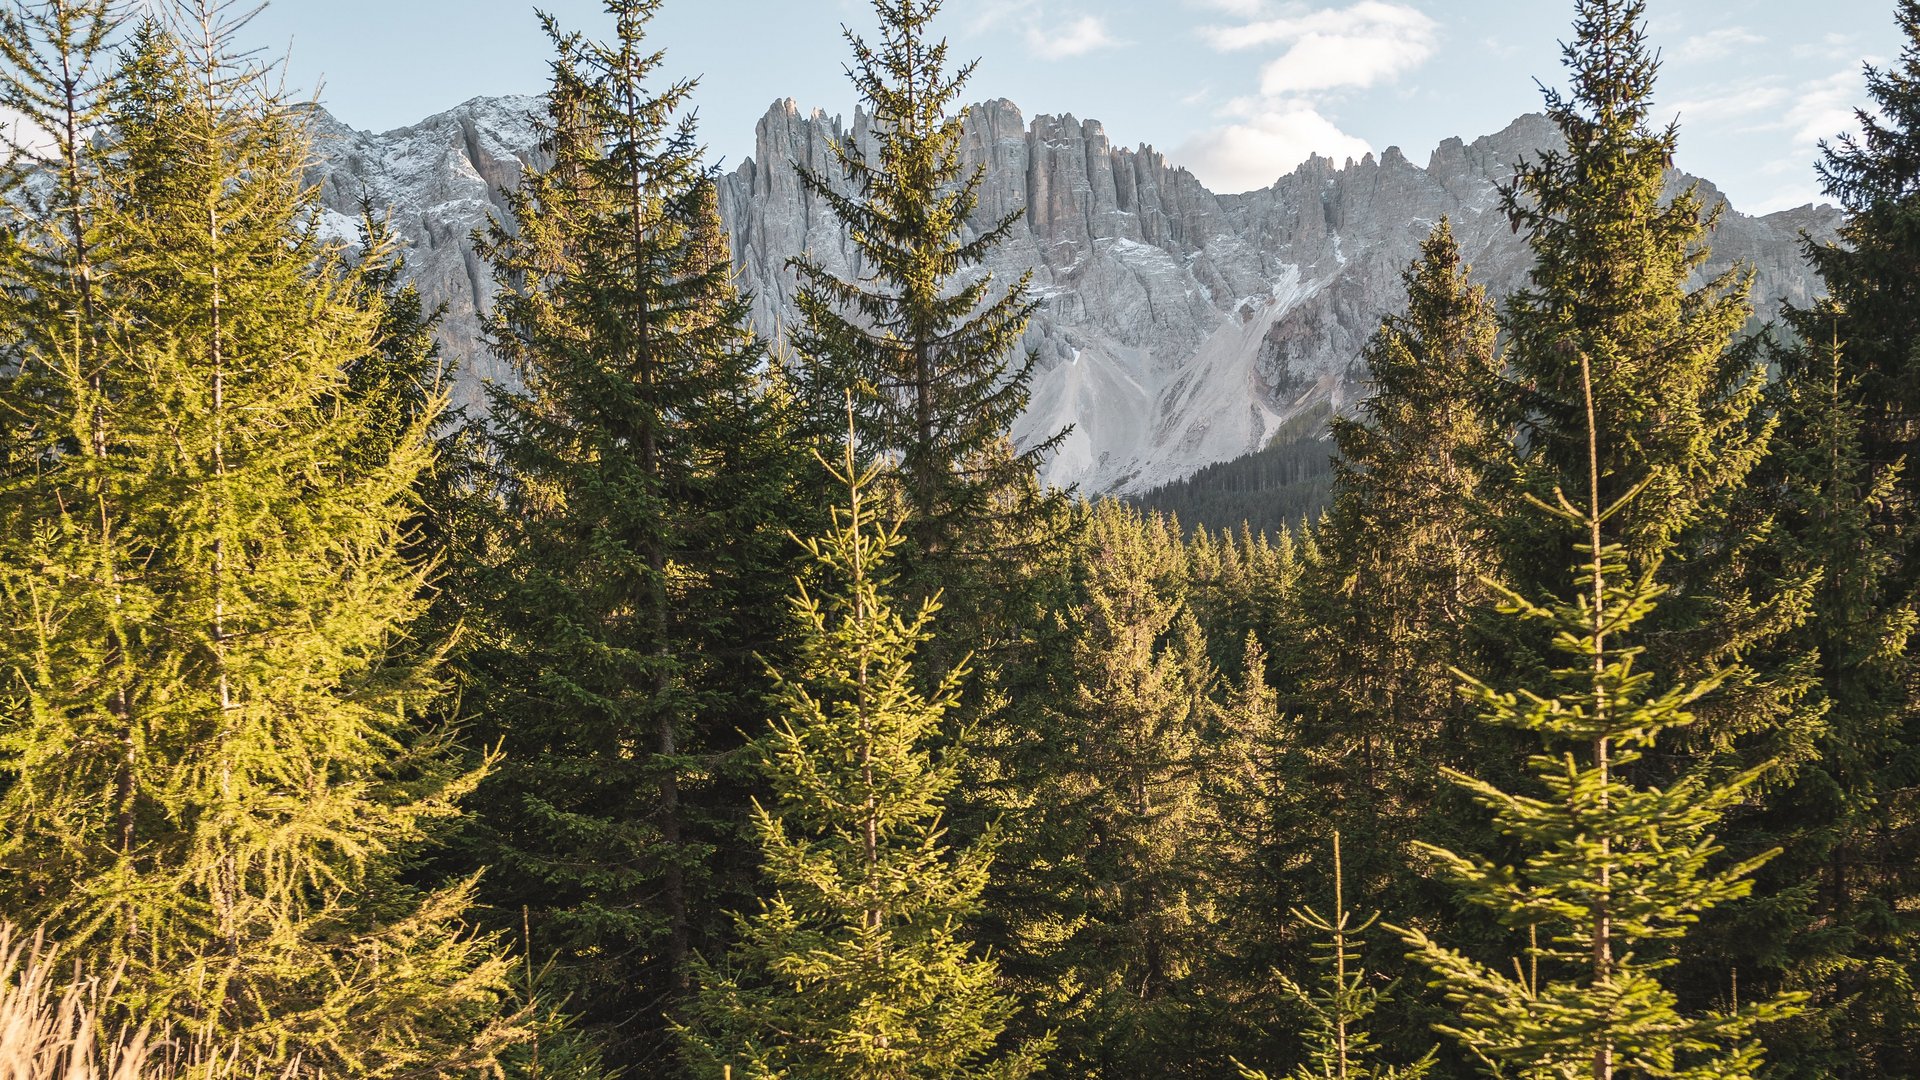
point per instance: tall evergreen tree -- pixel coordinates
(213, 765)
(1872, 273)
(1839, 899)
(1604, 868)
(1103, 913)
(1677, 391)
(628, 580)
(1407, 544)
(922, 338)
(1850, 406)
(1614, 261)
(856, 966)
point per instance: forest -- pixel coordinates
(711, 706)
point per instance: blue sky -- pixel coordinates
(1238, 90)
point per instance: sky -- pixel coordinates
(1239, 91)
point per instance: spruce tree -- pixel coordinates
(1605, 870)
(215, 777)
(924, 339)
(1103, 915)
(1408, 541)
(1837, 914)
(1850, 407)
(1673, 381)
(1873, 286)
(1678, 390)
(856, 966)
(642, 468)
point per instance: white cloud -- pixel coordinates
(1734, 101)
(1716, 44)
(1266, 142)
(1317, 50)
(1239, 9)
(1794, 115)
(1824, 108)
(1045, 37)
(1359, 45)
(1076, 37)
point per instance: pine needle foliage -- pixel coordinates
(1606, 871)
(1388, 613)
(1873, 301)
(1613, 261)
(922, 337)
(857, 966)
(642, 468)
(213, 766)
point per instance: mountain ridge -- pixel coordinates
(1179, 328)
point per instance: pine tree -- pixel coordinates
(1408, 542)
(214, 773)
(1338, 1046)
(856, 967)
(1606, 869)
(643, 470)
(1103, 913)
(1872, 273)
(923, 339)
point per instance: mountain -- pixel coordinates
(1181, 327)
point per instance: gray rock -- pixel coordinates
(1180, 327)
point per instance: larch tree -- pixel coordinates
(214, 767)
(629, 573)
(857, 965)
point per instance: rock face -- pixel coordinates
(1180, 327)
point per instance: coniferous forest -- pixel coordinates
(715, 706)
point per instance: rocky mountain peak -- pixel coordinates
(1180, 327)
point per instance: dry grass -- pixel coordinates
(51, 1027)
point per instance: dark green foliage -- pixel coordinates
(640, 479)
(855, 967)
(1605, 868)
(1855, 377)
(1872, 274)
(1282, 485)
(251, 576)
(923, 340)
(1674, 389)
(1835, 896)
(1106, 894)
(1338, 1046)
(1405, 553)
(1677, 396)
